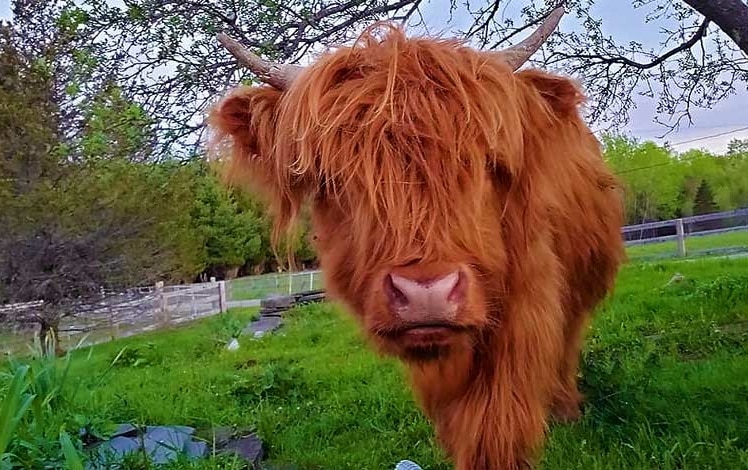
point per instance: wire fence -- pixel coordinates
(253, 288)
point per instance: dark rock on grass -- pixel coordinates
(248, 447)
(162, 444)
(263, 326)
(165, 444)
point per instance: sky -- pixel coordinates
(724, 118)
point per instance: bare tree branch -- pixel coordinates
(600, 59)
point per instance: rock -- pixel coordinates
(263, 325)
(126, 430)
(162, 444)
(677, 277)
(221, 435)
(116, 449)
(247, 447)
(233, 345)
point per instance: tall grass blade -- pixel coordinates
(14, 407)
(72, 458)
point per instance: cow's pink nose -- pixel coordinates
(423, 301)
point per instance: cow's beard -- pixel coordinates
(424, 352)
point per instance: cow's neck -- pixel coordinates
(438, 384)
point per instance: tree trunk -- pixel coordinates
(730, 15)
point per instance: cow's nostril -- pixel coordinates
(395, 295)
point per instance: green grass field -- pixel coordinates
(695, 246)
(665, 374)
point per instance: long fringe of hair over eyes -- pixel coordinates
(400, 133)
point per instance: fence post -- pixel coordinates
(680, 232)
(193, 307)
(162, 301)
(311, 280)
(222, 300)
(290, 283)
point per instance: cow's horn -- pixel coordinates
(520, 53)
(278, 75)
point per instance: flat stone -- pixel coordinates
(196, 449)
(115, 449)
(248, 448)
(162, 444)
(262, 326)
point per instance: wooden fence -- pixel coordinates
(154, 307)
(123, 314)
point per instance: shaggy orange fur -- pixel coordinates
(421, 154)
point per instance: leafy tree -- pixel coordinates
(75, 223)
(164, 55)
(231, 235)
(28, 119)
(661, 184)
(736, 171)
(651, 179)
(738, 147)
(106, 226)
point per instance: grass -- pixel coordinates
(695, 246)
(665, 373)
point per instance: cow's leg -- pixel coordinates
(567, 399)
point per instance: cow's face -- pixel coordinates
(409, 152)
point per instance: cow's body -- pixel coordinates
(462, 212)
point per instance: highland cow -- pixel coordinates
(462, 213)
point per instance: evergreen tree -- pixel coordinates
(704, 200)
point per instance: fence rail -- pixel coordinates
(153, 307)
(680, 230)
(119, 314)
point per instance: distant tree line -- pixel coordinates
(661, 184)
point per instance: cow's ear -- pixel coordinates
(562, 94)
(243, 131)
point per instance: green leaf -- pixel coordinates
(14, 407)
(72, 458)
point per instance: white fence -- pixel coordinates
(680, 230)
